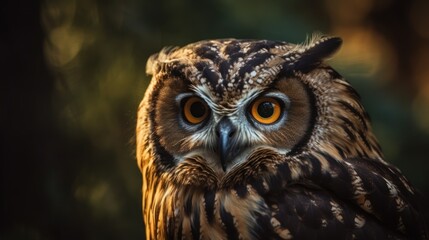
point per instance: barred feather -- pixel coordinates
(317, 174)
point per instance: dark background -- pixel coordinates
(73, 75)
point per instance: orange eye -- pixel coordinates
(195, 110)
(266, 110)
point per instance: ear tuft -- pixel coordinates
(313, 52)
(152, 64)
(320, 48)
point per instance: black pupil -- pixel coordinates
(198, 109)
(266, 109)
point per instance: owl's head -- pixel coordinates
(215, 103)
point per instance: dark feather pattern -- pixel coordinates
(317, 174)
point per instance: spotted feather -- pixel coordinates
(315, 172)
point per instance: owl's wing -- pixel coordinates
(306, 211)
(355, 198)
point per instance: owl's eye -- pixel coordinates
(266, 110)
(195, 110)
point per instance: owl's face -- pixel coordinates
(193, 119)
(222, 100)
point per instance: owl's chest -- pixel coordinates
(175, 213)
(296, 211)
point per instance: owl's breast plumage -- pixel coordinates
(299, 200)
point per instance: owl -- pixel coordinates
(258, 139)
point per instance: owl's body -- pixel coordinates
(242, 139)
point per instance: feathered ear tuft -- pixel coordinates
(153, 63)
(313, 52)
(150, 64)
(319, 48)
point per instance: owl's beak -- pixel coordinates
(225, 131)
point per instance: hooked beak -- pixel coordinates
(225, 131)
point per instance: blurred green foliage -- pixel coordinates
(96, 52)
